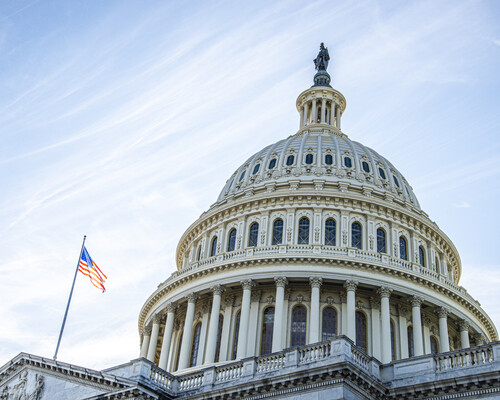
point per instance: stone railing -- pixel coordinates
(162, 378)
(464, 358)
(270, 362)
(190, 381)
(315, 352)
(228, 372)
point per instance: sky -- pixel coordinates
(122, 121)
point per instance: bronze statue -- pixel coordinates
(321, 61)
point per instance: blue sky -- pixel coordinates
(122, 120)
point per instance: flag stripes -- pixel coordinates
(89, 268)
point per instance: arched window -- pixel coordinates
(213, 248)
(437, 265)
(198, 256)
(421, 256)
(434, 345)
(328, 159)
(299, 317)
(196, 345)
(303, 236)
(231, 242)
(255, 169)
(272, 164)
(253, 235)
(361, 331)
(396, 181)
(309, 159)
(236, 334)
(329, 323)
(242, 176)
(266, 343)
(393, 341)
(277, 231)
(403, 250)
(381, 173)
(356, 235)
(330, 227)
(381, 242)
(219, 337)
(411, 351)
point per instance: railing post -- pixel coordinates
(208, 376)
(292, 358)
(249, 367)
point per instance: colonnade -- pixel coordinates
(381, 324)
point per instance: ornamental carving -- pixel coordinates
(247, 284)
(315, 281)
(256, 296)
(330, 300)
(384, 291)
(442, 312)
(270, 299)
(343, 297)
(351, 285)
(344, 238)
(371, 241)
(157, 318)
(19, 391)
(416, 301)
(281, 281)
(217, 289)
(192, 297)
(403, 311)
(480, 339)
(229, 300)
(147, 330)
(170, 307)
(374, 303)
(463, 325)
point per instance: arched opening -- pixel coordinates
(303, 234)
(356, 235)
(277, 231)
(195, 346)
(434, 345)
(253, 235)
(236, 334)
(266, 342)
(329, 323)
(403, 248)
(381, 241)
(330, 232)
(299, 321)
(361, 331)
(213, 247)
(219, 337)
(231, 242)
(421, 256)
(437, 265)
(198, 256)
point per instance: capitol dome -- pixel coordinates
(313, 237)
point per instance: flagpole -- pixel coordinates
(69, 300)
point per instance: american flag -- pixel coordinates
(89, 268)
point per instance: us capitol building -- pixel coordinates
(315, 275)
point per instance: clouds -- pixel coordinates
(124, 121)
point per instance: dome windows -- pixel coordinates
(348, 162)
(290, 160)
(266, 343)
(403, 248)
(255, 169)
(421, 256)
(303, 236)
(356, 235)
(242, 176)
(231, 243)
(381, 173)
(330, 226)
(396, 182)
(277, 232)
(381, 241)
(365, 167)
(272, 164)
(309, 159)
(253, 235)
(213, 247)
(328, 159)
(299, 317)
(329, 323)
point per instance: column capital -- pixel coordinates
(343, 296)
(157, 318)
(463, 325)
(480, 339)
(315, 281)
(281, 281)
(403, 310)
(192, 297)
(171, 307)
(384, 291)
(351, 285)
(416, 301)
(147, 330)
(229, 300)
(442, 312)
(247, 284)
(256, 295)
(217, 289)
(374, 303)
(427, 322)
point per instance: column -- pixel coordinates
(351, 309)
(226, 352)
(426, 332)
(323, 109)
(244, 318)
(205, 315)
(463, 326)
(314, 320)
(253, 323)
(337, 117)
(167, 336)
(480, 339)
(444, 341)
(213, 326)
(418, 343)
(281, 282)
(343, 300)
(146, 335)
(385, 312)
(306, 107)
(376, 340)
(314, 112)
(403, 331)
(154, 338)
(187, 336)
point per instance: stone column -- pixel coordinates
(244, 318)
(315, 282)
(146, 335)
(281, 282)
(444, 341)
(301, 123)
(154, 338)
(351, 309)
(463, 326)
(385, 312)
(426, 332)
(226, 352)
(343, 301)
(187, 335)
(418, 343)
(376, 340)
(480, 339)
(306, 109)
(167, 336)
(213, 326)
(253, 324)
(403, 331)
(314, 112)
(323, 109)
(338, 116)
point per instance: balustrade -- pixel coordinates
(191, 381)
(228, 372)
(271, 362)
(314, 352)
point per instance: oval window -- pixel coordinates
(365, 166)
(272, 164)
(396, 181)
(381, 173)
(289, 160)
(242, 176)
(348, 162)
(328, 159)
(256, 169)
(309, 159)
